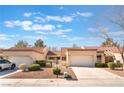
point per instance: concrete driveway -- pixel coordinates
(94, 73)
(96, 77)
(6, 72)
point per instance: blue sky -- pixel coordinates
(60, 26)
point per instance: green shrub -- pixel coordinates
(49, 61)
(105, 65)
(98, 64)
(111, 65)
(42, 63)
(34, 67)
(119, 64)
(56, 71)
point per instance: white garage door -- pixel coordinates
(21, 60)
(86, 61)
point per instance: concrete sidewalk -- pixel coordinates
(59, 83)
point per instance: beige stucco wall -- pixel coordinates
(33, 55)
(81, 53)
(38, 56)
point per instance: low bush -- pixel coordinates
(105, 65)
(101, 64)
(98, 64)
(23, 67)
(49, 61)
(56, 71)
(42, 63)
(112, 65)
(34, 67)
(119, 64)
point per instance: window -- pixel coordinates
(7, 61)
(109, 59)
(99, 58)
(2, 62)
(63, 58)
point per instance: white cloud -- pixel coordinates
(39, 32)
(117, 33)
(34, 37)
(23, 24)
(61, 31)
(4, 37)
(39, 19)
(75, 38)
(61, 7)
(28, 25)
(59, 26)
(8, 24)
(59, 18)
(92, 29)
(84, 14)
(78, 38)
(42, 27)
(27, 14)
(64, 36)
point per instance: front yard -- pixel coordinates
(118, 71)
(44, 73)
(115, 68)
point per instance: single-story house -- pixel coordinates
(25, 55)
(88, 56)
(108, 54)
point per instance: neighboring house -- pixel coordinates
(108, 54)
(25, 55)
(53, 55)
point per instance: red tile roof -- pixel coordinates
(57, 53)
(99, 49)
(112, 49)
(91, 47)
(37, 49)
(51, 53)
(81, 49)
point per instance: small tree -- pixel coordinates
(22, 44)
(39, 43)
(117, 18)
(120, 46)
(109, 43)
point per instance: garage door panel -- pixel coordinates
(21, 60)
(81, 61)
